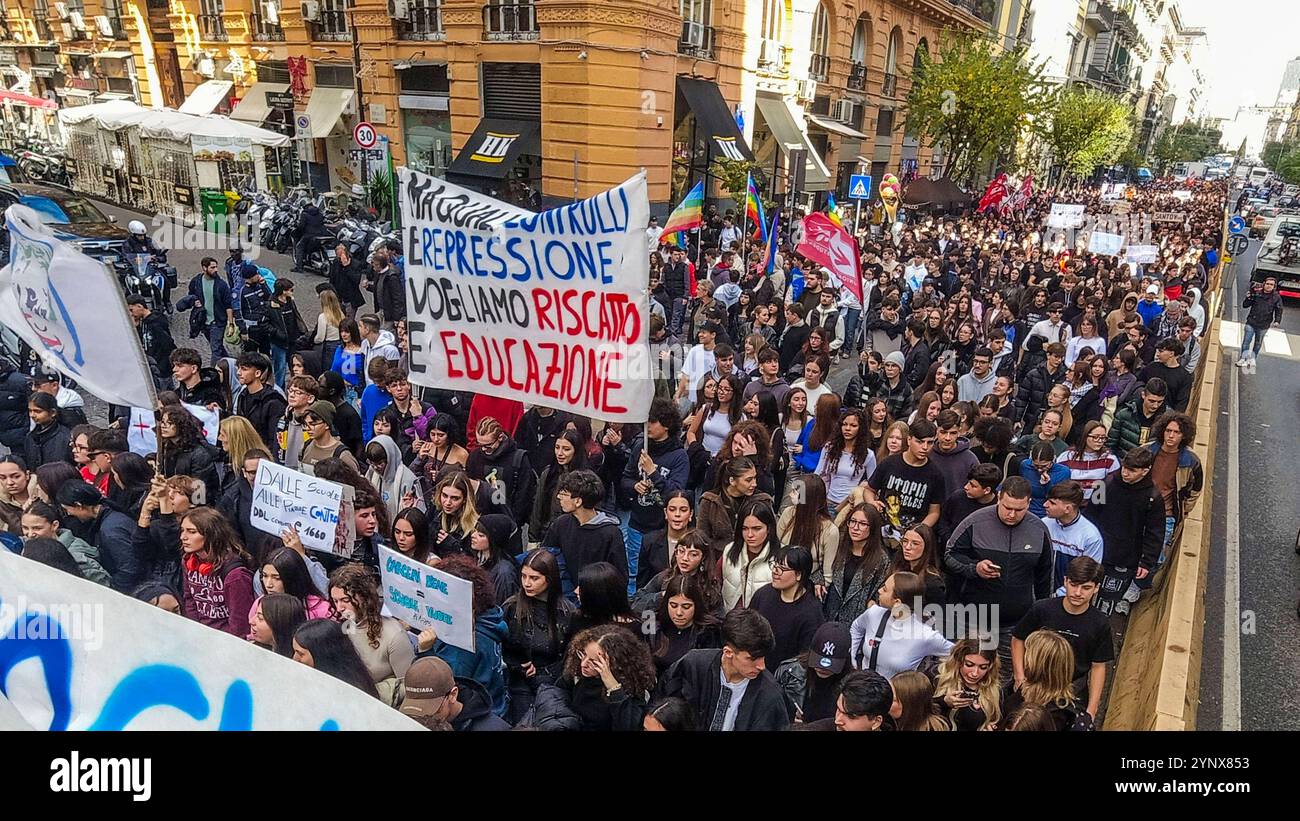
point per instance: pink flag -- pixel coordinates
(830, 246)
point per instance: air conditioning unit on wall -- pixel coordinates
(806, 90)
(311, 11)
(105, 27)
(399, 9)
(271, 11)
(843, 110)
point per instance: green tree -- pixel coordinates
(1274, 151)
(1186, 142)
(973, 101)
(1288, 167)
(733, 176)
(1089, 128)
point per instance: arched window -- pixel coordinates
(890, 86)
(774, 14)
(820, 66)
(860, 53)
(922, 48)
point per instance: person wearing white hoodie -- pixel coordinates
(376, 342)
(974, 386)
(388, 474)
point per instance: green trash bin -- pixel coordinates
(212, 204)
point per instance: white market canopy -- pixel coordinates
(166, 123)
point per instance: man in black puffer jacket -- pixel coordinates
(505, 465)
(260, 403)
(1130, 514)
(14, 391)
(1031, 400)
(676, 279)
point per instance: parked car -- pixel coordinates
(1262, 219)
(70, 216)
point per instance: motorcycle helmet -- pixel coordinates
(136, 227)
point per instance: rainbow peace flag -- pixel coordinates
(689, 214)
(833, 210)
(754, 209)
(769, 255)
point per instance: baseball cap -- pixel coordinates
(830, 647)
(428, 681)
(1152, 289)
(43, 378)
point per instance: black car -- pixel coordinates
(70, 216)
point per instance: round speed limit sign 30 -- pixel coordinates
(364, 135)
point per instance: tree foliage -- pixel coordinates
(1186, 142)
(1089, 128)
(973, 101)
(1274, 151)
(733, 176)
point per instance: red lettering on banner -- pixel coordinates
(510, 372)
(532, 382)
(452, 370)
(544, 321)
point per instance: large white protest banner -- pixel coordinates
(284, 499)
(1181, 196)
(1064, 215)
(1105, 244)
(141, 437)
(1142, 253)
(549, 308)
(75, 655)
(423, 596)
(69, 309)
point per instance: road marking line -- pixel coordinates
(1232, 561)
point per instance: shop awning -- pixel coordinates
(714, 118)
(835, 127)
(207, 97)
(325, 108)
(252, 108)
(168, 124)
(494, 146)
(783, 121)
(26, 99)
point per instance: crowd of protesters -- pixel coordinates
(998, 427)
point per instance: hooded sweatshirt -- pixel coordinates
(384, 346)
(396, 479)
(954, 465)
(484, 665)
(475, 709)
(971, 388)
(509, 465)
(578, 545)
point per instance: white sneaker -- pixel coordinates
(1241, 362)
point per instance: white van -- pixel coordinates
(1259, 175)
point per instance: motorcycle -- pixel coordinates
(147, 276)
(42, 167)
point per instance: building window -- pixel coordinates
(820, 65)
(334, 76)
(266, 20)
(333, 23)
(510, 20)
(41, 18)
(774, 12)
(885, 123)
(273, 71)
(113, 11)
(890, 86)
(860, 53)
(426, 122)
(211, 24)
(697, 28)
(424, 21)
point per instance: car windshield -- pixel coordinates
(67, 211)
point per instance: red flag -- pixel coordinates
(1022, 196)
(994, 194)
(830, 246)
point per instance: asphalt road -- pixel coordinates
(1254, 665)
(186, 248)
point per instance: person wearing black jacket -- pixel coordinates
(1167, 367)
(1131, 517)
(252, 314)
(434, 694)
(916, 354)
(390, 295)
(751, 699)
(155, 334)
(347, 422)
(236, 504)
(196, 384)
(796, 333)
(1031, 400)
(14, 390)
(48, 440)
(346, 273)
(1265, 304)
(676, 279)
(109, 530)
(259, 403)
(285, 326)
(311, 227)
(499, 460)
(537, 432)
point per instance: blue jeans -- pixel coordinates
(1250, 334)
(632, 546)
(216, 341)
(1170, 525)
(851, 317)
(279, 363)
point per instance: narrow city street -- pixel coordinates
(1249, 674)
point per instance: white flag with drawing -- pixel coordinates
(140, 435)
(69, 309)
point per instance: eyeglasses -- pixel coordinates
(777, 567)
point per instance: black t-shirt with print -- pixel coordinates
(1089, 633)
(907, 492)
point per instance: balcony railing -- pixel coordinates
(333, 25)
(890, 85)
(858, 77)
(505, 20)
(1101, 14)
(264, 30)
(212, 28)
(983, 9)
(424, 23)
(696, 41)
(819, 67)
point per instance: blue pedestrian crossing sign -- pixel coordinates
(860, 187)
(1236, 225)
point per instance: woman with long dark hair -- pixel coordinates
(789, 603)
(805, 521)
(284, 571)
(131, 479)
(1090, 462)
(537, 619)
(750, 439)
(217, 578)
(275, 617)
(919, 553)
(878, 421)
(847, 460)
(684, 621)
(489, 544)
(694, 556)
(745, 561)
(737, 486)
(439, 449)
(602, 599)
(411, 537)
(861, 565)
(658, 548)
(570, 455)
(712, 424)
(184, 450)
(819, 431)
(320, 643)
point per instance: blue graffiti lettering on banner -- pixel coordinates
(438, 615)
(454, 251)
(434, 583)
(406, 571)
(327, 516)
(397, 597)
